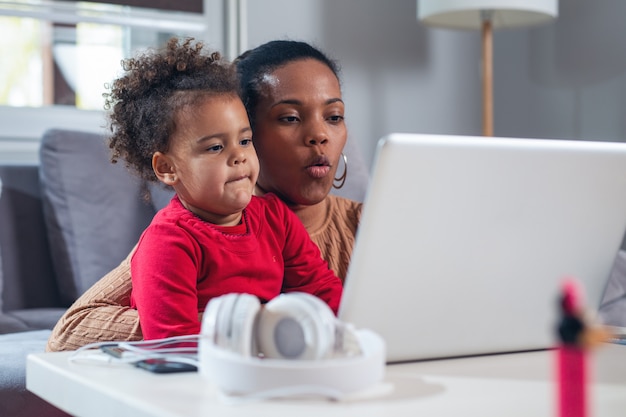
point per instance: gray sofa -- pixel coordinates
(63, 224)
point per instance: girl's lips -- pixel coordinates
(242, 177)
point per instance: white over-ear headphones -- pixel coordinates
(294, 344)
(291, 326)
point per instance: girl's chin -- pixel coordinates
(242, 200)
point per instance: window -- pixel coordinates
(57, 56)
(61, 52)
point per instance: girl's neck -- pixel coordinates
(232, 219)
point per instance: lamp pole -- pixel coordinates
(487, 69)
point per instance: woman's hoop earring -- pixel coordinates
(342, 180)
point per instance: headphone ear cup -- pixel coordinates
(229, 322)
(242, 323)
(211, 318)
(296, 326)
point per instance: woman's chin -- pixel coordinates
(311, 196)
(307, 193)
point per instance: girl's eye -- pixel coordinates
(215, 148)
(246, 142)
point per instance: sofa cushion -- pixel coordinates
(15, 399)
(160, 195)
(1, 270)
(37, 318)
(10, 324)
(27, 278)
(95, 210)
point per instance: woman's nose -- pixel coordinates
(316, 134)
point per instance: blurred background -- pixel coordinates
(565, 79)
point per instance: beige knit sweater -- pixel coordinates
(102, 313)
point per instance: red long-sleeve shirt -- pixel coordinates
(181, 262)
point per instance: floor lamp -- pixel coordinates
(486, 15)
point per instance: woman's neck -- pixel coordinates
(312, 216)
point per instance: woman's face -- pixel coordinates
(299, 131)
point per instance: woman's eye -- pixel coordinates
(289, 119)
(336, 118)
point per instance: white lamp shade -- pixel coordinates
(466, 14)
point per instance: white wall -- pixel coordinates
(562, 80)
(566, 79)
(396, 74)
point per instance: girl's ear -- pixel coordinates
(164, 169)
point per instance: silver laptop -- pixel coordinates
(464, 241)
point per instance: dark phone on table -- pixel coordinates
(164, 366)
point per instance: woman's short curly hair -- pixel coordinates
(144, 102)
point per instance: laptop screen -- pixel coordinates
(464, 241)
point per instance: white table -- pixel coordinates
(519, 384)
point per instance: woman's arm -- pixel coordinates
(101, 314)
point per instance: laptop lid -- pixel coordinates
(464, 241)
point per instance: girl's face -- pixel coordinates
(211, 161)
(299, 131)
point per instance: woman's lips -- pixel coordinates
(318, 171)
(319, 167)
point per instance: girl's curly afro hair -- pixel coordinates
(144, 102)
